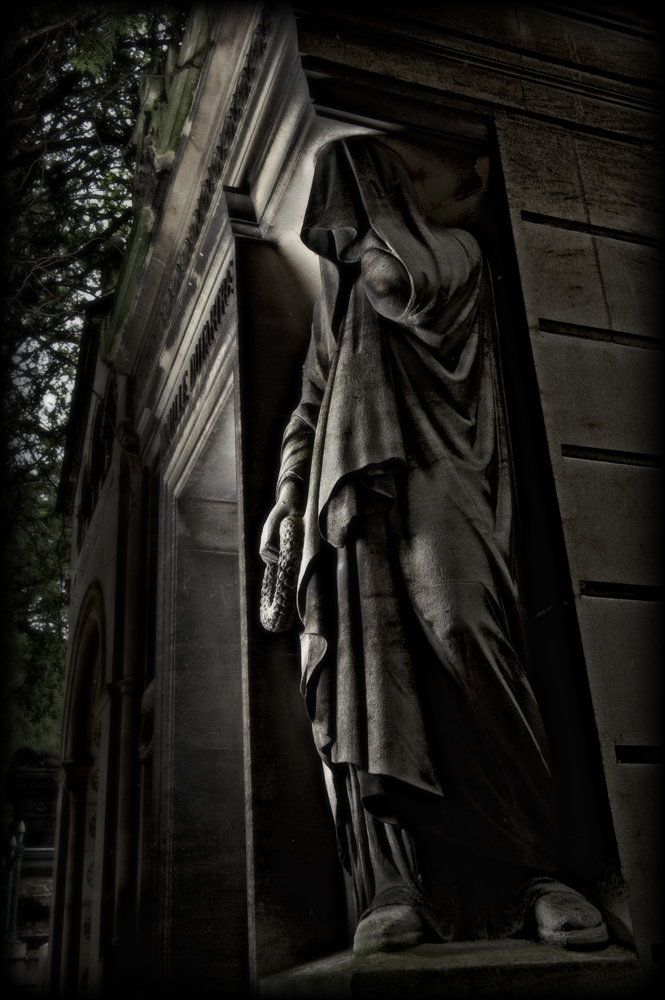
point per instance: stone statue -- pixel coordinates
(396, 464)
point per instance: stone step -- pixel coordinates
(466, 969)
(21, 972)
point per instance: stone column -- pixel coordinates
(76, 786)
(127, 788)
(131, 669)
(104, 883)
(59, 879)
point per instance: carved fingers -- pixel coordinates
(288, 505)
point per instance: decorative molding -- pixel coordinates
(609, 455)
(486, 53)
(631, 754)
(620, 591)
(199, 359)
(244, 84)
(597, 333)
(584, 227)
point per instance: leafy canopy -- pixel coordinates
(72, 85)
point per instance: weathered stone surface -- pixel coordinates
(465, 969)
(556, 172)
(166, 104)
(541, 169)
(602, 400)
(623, 641)
(622, 185)
(579, 278)
(208, 929)
(610, 517)
(630, 276)
(560, 277)
(594, 43)
(623, 645)
(599, 395)
(211, 525)
(487, 60)
(637, 808)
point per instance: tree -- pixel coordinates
(72, 96)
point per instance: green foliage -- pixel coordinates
(96, 46)
(36, 661)
(72, 90)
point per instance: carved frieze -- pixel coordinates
(216, 166)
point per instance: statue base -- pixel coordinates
(504, 968)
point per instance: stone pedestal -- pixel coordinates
(511, 968)
(18, 971)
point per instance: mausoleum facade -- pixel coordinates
(195, 846)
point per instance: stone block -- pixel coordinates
(209, 606)
(208, 524)
(208, 799)
(590, 45)
(635, 793)
(214, 474)
(572, 277)
(621, 185)
(498, 22)
(569, 40)
(442, 70)
(208, 700)
(631, 277)
(560, 277)
(540, 169)
(552, 95)
(599, 395)
(510, 968)
(208, 880)
(207, 680)
(581, 178)
(623, 651)
(610, 515)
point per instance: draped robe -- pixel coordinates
(413, 664)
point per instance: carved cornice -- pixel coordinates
(486, 52)
(243, 89)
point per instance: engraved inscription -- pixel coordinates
(202, 350)
(241, 93)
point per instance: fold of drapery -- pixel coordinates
(409, 567)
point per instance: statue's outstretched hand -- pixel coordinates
(281, 551)
(288, 505)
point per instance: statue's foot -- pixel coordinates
(388, 928)
(563, 916)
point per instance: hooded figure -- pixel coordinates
(413, 662)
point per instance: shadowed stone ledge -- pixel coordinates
(512, 968)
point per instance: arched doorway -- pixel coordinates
(82, 880)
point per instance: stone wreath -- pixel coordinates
(280, 579)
